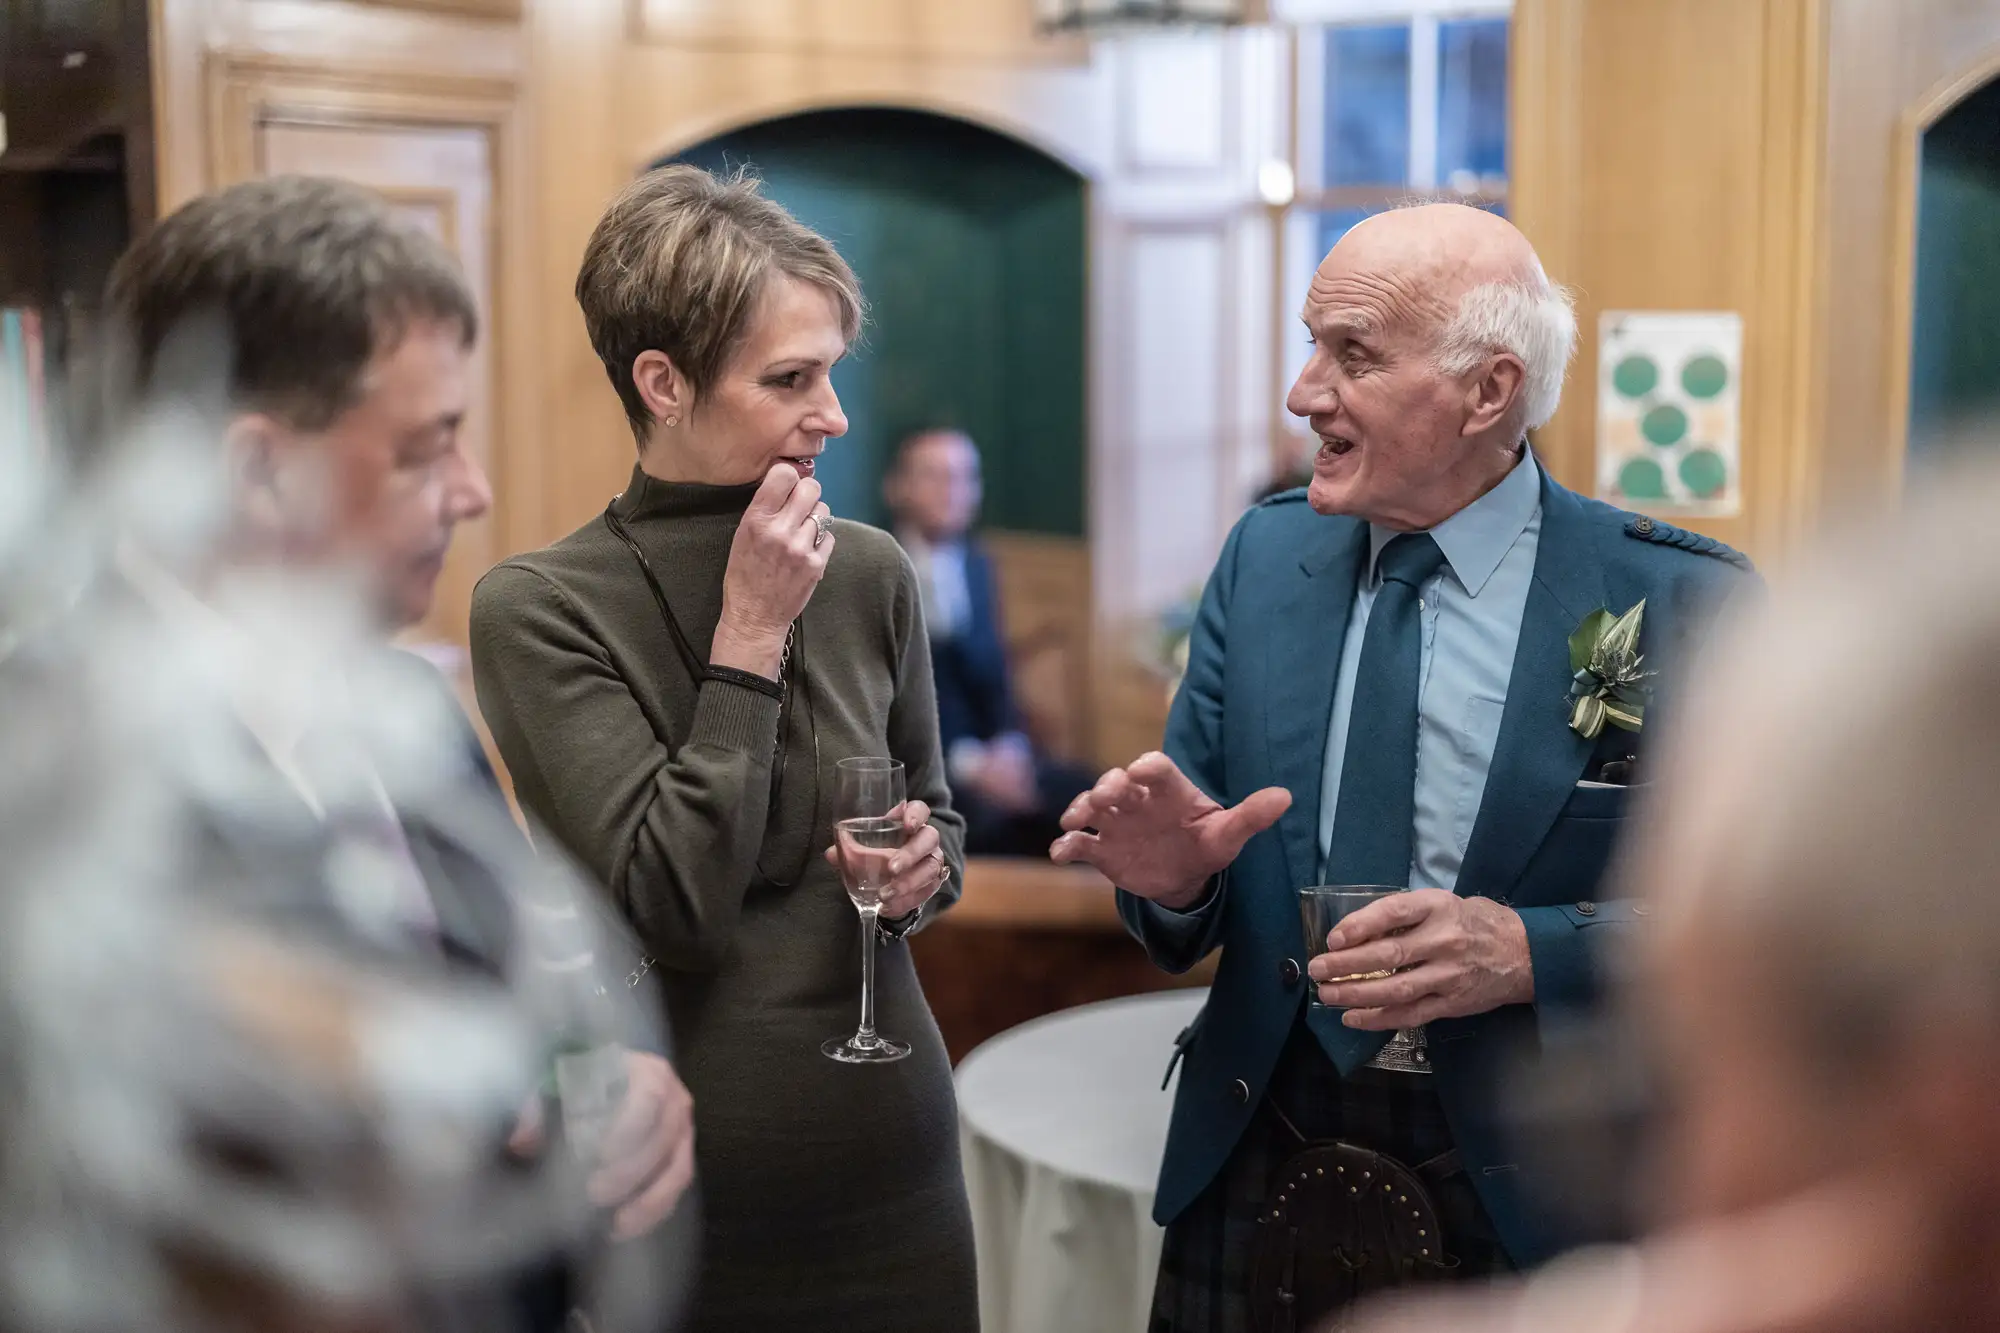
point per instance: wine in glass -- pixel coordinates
(868, 834)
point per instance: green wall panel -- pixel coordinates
(970, 247)
(1955, 357)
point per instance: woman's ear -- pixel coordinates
(662, 388)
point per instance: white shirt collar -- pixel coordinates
(279, 693)
(920, 548)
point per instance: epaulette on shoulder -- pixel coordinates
(1297, 495)
(1666, 534)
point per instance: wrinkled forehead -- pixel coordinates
(1366, 289)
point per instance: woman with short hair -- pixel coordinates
(671, 687)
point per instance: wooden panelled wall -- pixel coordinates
(1665, 157)
(1893, 71)
(1757, 156)
(427, 104)
(507, 124)
(1753, 155)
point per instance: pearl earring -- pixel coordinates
(673, 422)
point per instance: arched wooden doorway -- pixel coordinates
(1955, 327)
(970, 246)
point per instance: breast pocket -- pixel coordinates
(1595, 801)
(1580, 846)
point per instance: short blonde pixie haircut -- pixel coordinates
(678, 264)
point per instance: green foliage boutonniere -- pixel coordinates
(1610, 681)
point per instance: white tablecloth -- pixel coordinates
(1062, 1122)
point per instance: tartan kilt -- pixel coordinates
(1204, 1279)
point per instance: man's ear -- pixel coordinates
(253, 444)
(662, 388)
(1496, 395)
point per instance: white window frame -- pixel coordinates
(1299, 247)
(1386, 11)
(1425, 18)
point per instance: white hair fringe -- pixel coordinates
(1535, 321)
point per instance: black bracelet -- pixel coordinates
(892, 930)
(749, 680)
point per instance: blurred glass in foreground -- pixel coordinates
(1811, 1039)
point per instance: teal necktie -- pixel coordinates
(1372, 821)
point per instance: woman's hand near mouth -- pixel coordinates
(775, 563)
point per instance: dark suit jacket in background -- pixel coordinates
(975, 694)
(975, 689)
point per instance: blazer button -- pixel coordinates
(1587, 909)
(1288, 972)
(1240, 1091)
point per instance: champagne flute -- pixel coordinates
(869, 832)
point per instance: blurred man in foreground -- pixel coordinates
(1822, 996)
(1010, 796)
(221, 725)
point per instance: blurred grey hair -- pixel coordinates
(1535, 321)
(1829, 788)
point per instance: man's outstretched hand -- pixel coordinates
(1156, 835)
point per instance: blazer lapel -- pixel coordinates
(1538, 759)
(471, 904)
(1303, 665)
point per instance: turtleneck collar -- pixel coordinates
(649, 497)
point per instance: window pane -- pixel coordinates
(1368, 105)
(1472, 103)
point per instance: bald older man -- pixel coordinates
(1379, 692)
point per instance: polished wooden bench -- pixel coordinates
(1028, 938)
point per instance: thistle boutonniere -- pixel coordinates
(1610, 681)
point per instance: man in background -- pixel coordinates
(1010, 796)
(290, 387)
(1821, 995)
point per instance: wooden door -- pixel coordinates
(442, 178)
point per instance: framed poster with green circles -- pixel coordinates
(1670, 412)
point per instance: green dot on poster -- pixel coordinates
(1636, 376)
(1705, 377)
(1665, 426)
(1704, 473)
(1641, 479)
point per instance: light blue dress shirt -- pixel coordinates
(1471, 619)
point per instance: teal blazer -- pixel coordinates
(1252, 713)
